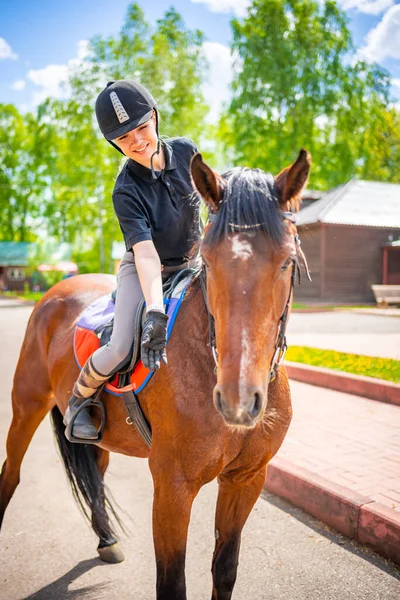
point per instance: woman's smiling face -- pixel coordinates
(140, 143)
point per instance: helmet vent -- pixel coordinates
(120, 111)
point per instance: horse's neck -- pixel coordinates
(193, 330)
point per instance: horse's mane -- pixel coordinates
(251, 202)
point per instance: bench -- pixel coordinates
(386, 294)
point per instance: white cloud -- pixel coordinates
(396, 83)
(24, 107)
(384, 40)
(6, 51)
(216, 90)
(53, 79)
(18, 85)
(239, 7)
(83, 51)
(370, 7)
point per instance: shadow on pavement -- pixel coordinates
(59, 588)
(333, 536)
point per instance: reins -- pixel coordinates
(281, 344)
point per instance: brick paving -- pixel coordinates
(350, 441)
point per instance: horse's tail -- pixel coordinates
(80, 462)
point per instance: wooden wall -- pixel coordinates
(344, 262)
(310, 237)
(353, 262)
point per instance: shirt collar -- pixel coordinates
(145, 173)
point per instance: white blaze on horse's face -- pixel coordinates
(241, 248)
(244, 369)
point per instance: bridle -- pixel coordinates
(281, 344)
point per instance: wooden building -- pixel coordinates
(349, 238)
(14, 258)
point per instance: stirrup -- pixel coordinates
(92, 401)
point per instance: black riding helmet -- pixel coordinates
(122, 106)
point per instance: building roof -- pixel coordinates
(364, 203)
(14, 254)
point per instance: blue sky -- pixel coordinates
(39, 38)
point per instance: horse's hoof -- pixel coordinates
(111, 554)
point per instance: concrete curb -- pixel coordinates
(16, 304)
(367, 387)
(348, 512)
(15, 301)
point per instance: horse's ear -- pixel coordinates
(291, 181)
(208, 183)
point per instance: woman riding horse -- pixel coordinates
(159, 219)
(206, 423)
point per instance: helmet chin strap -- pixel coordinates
(153, 173)
(115, 146)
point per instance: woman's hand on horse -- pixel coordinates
(154, 340)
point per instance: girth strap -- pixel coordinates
(136, 416)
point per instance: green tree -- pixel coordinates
(298, 84)
(24, 168)
(168, 60)
(57, 172)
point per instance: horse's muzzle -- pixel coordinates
(244, 410)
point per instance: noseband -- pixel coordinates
(281, 345)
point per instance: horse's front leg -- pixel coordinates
(236, 497)
(173, 499)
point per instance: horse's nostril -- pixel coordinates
(257, 405)
(217, 399)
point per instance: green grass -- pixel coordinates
(370, 366)
(35, 296)
(299, 305)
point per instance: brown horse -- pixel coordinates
(249, 250)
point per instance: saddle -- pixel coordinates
(94, 329)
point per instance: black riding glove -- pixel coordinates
(154, 340)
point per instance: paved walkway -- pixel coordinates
(6, 302)
(352, 441)
(346, 441)
(342, 450)
(49, 553)
(375, 311)
(347, 331)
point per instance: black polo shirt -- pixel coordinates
(165, 209)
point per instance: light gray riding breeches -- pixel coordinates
(108, 359)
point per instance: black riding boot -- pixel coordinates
(89, 381)
(83, 425)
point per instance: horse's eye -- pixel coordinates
(286, 264)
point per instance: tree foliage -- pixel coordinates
(57, 170)
(167, 59)
(24, 167)
(298, 83)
